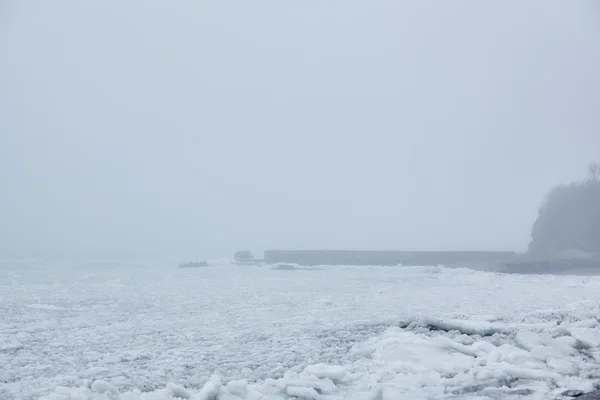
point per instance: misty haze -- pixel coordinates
(316, 200)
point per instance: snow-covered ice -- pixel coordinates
(146, 330)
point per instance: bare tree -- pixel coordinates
(594, 172)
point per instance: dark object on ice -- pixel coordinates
(194, 264)
(595, 395)
(243, 256)
(572, 393)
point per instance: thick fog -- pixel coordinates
(199, 128)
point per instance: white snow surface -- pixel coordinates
(148, 331)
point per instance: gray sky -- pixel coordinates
(196, 127)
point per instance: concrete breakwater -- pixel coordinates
(387, 258)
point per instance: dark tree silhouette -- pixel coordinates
(569, 219)
(594, 172)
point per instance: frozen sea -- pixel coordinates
(148, 330)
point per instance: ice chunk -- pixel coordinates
(375, 394)
(542, 353)
(527, 339)
(238, 388)
(302, 392)
(7, 347)
(178, 391)
(416, 353)
(253, 395)
(210, 390)
(325, 385)
(587, 323)
(127, 396)
(569, 343)
(489, 374)
(452, 345)
(528, 373)
(483, 347)
(562, 366)
(229, 396)
(467, 327)
(333, 372)
(588, 338)
(510, 354)
(102, 387)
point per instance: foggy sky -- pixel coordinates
(190, 127)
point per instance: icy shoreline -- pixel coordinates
(481, 359)
(149, 332)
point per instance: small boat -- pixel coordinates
(243, 256)
(194, 264)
